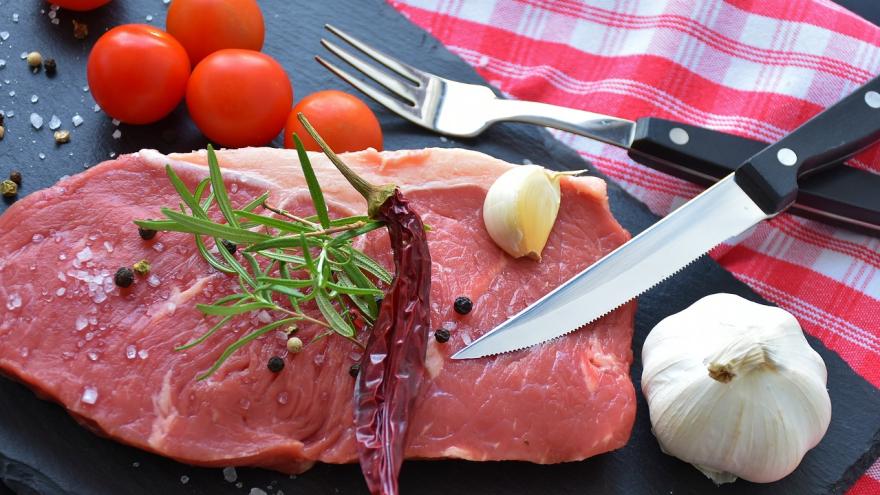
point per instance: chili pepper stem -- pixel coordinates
(375, 195)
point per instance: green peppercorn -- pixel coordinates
(8, 189)
(124, 277)
(230, 246)
(463, 305)
(354, 370)
(442, 335)
(275, 364)
(142, 267)
(15, 176)
(146, 234)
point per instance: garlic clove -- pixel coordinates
(520, 209)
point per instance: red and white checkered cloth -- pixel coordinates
(757, 68)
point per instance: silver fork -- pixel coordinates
(459, 109)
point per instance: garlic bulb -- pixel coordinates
(734, 388)
(520, 209)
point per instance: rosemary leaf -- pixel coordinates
(209, 228)
(336, 321)
(259, 200)
(370, 265)
(287, 282)
(312, 183)
(357, 291)
(274, 222)
(219, 188)
(236, 309)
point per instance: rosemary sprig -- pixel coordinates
(287, 260)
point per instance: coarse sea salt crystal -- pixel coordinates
(85, 254)
(2, 63)
(36, 120)
(4, 35)
(90, 336)
(99, 297)
(143, 354)
(159, 247)
(81, 322)
(77, 120)
(92, 355)
(283, 398)
(149, 18)
(60, 292)
(257, 491)
(15, 17)
(117, 134)
(37, 238)
(131, 352)
(264, 317)
(154, 281)
(54, 122)
(35, 98)
(96, 108)
(42, 156)
(229, 474)
(90, 395)
(13, 302)
(184, 479)
(115, 122)
(108, 247)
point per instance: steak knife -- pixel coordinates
(760, 188)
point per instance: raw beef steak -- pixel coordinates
(108, 357)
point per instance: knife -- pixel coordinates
(760, 188)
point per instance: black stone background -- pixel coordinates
(42, 450)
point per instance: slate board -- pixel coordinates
(42, 450)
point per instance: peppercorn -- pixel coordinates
(62, 136)
(442, 335)
(51, 67)
(142, 267)
(230, 246)
(146, 234)
(2, 118)
(34, 60)
(463, 305)
(294, 344)
(124, 277)
(354, 370)
(275, 364)
(2, 132)
(8, 188)
(15, 176)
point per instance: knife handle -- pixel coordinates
(770, 177)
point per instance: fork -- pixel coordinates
(845, 197)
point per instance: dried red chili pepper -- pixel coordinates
(394, 360)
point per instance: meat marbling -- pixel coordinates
(69, 333)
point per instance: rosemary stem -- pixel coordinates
(336, 230)
(285, 213)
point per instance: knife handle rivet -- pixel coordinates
(680, 136)
(872, 98)
(786, 157)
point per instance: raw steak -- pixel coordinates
(68, 332)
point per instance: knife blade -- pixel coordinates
(762, 187)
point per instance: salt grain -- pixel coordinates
(108, 247)
(283, 398)
(244, 403)
(90, 395)
(2, 63)
(81, 322)
(184, 479)
(131, 352)
(4, 35)
(135, 464)
(115, 122)
(99, 297)
(89, 337)
(37, 238)
(42, 156)
(159, 247)
(143, 354)
(96, 108)
(77, 120)
(35, 98)
(23, 57)
(12, 93)
(15, 17)
(92, 355)
(13, 302)
(229, 474)
(85, 254)
(149, 18)
(257, 491)
(60, 292)
(264, 317)
(54, 122)
(117, 134)
(53, 14)
(154, 281)
(56, 21)
(36, 120)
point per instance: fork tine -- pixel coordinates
(396, 106)
(405, 70)
(393, 84)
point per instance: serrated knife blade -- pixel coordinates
(763, 186)
(720, 212)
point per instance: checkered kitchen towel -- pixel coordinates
(756, 68)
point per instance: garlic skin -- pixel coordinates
(521, 207)
(734, 388)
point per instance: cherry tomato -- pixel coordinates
(345, 122)
(239, 97)
(80, 5)
(137, 73)
(205, 26)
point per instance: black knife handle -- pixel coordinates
(770, 177)
(842, 195)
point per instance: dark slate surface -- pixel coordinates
(42, 450)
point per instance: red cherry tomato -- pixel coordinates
(80, 5)
(137, 73)
(239, 97)
(345, 122)
(205, 26)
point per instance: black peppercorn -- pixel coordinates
(230, 246)
(2, 118)
(146, 234)
(15, 176)
(275, 364)
(354, 370)
(50, 66)
(124, 277)
(442, 335)
(463, 305)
